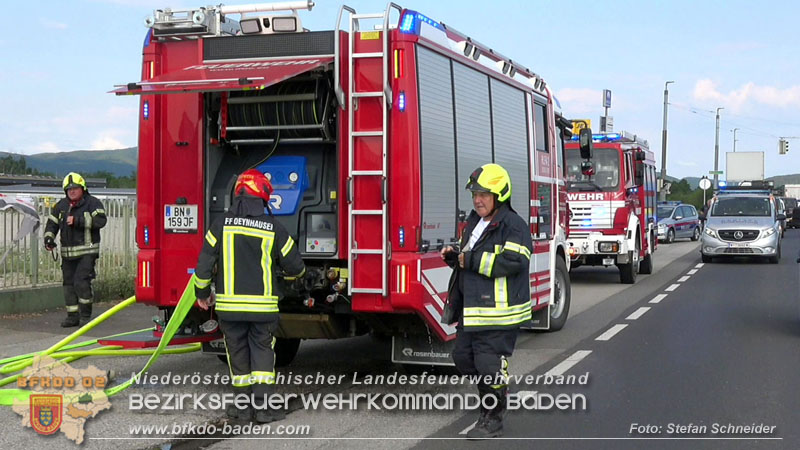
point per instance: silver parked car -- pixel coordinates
(742, 224)
(677, 220)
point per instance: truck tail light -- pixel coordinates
(402, 279)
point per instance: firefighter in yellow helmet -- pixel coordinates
(253, 244)
(78, 217)
(490, 291)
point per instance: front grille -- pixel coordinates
(590, 217)
(730, 235)
(739, 251)
(268, 45)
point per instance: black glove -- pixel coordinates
(49, 243)
(451, 258)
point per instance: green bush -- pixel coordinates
(114, 284)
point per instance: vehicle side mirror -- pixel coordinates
(641, 155)
(587, 168)
(781, 216)
(678, 217)
(586, 143)
(638, 177)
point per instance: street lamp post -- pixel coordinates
(716, 154)
(734, 140)
(663, 191)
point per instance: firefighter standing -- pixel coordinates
(246, 244)
(79, 218)
(490, 290)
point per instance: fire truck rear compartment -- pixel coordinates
(288, 131)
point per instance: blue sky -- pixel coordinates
(59, 58)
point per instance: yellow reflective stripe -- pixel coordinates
(211, 239)
(498, 312)
(98, 211)
(503, 373)
(50, 234)
(72, 308)
(253, 232)
(261, 377)
(487, 262)
(201, 283)
(287, 247)
(53, 218)
(227, 257)
(501, 292)
(246, 298)
(87, 227)
(85, 301)
(266, 262)
(514, 319)
(80, 250)
(514, 247)
(224, 307)
(241, 380)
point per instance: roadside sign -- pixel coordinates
(715, 172)
(705, 183)
(578, 124)
(606, 98)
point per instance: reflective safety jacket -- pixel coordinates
(493, 289)
(247, 247)
(83, 237)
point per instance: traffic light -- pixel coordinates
(783, 146)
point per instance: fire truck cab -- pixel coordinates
(612, 203)
(368, 135)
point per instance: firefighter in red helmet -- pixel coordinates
(78, 217)
(489, 291)
(246, 245)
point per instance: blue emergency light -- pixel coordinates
(409, 24)
(401, 101)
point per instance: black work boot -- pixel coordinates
(492, 424)
(72, 320)
(242, 414)
(86, 313)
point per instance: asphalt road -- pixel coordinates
(599, 302)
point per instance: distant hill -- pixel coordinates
(780, 180)
(120, 162)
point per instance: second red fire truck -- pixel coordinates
(612, 203)
(368, 135)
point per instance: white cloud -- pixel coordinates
(46, 147)
(107, 140)
(707, 90)
(52, 24)
(579, 101)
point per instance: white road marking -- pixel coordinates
(692, 272)
(672, 288)
(658, 298)
(638, 313)
(682, 279)
(611, 332)
(699, 265)
(565, 365)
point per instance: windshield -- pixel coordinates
(664, 211)
(791, 203)
(606, 169)
(742, 206)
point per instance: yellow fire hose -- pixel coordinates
(10, 396)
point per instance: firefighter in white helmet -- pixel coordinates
(78, 217)
(246, 245)
(490, 291)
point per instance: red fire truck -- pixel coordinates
(368, 138)
(612, 204)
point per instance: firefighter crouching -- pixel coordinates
(79, 218)
(489, 290)
(246, 245)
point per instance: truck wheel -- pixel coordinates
(285, 350)
(562, 292)
(696, 234)
(646, 264)
(627, 272)
(670, 236)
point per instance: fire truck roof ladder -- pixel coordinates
(377, 176)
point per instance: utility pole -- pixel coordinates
(663, 191)
(734, 140)
(716, 154)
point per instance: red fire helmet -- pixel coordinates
(252, 182)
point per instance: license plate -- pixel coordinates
(180, 218)
(608, 261)
(738, 244)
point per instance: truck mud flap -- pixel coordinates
(422, 350)
(540, 320)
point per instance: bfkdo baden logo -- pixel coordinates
(46, 413)
(62, 398)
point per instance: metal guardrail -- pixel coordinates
(28, 264)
